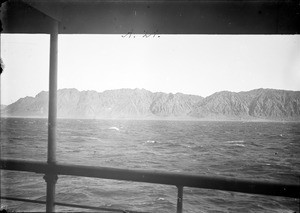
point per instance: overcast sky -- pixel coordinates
(191, 64)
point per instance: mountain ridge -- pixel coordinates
(257, 104)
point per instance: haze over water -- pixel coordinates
(267, 151)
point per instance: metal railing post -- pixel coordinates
(179, 199)
(51, 177)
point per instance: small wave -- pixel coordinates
(114, 128)
(186, 146)
(160, 198)
(238, 141)
(90, 138)
(65, 132)
(151, 141)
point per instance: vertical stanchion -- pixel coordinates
(51, 177)
(179, 199)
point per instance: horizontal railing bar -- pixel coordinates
(23, 200)
(70, 205)
(176, 179)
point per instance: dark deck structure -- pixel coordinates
(142, 17)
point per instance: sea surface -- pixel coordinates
(267, 151)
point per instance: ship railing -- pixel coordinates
(146, 176)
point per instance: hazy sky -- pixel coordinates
(191, 64)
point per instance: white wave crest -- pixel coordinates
(237, 141)
(114, 128)
(151, 141)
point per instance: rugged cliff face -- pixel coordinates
(29, 106)
(173, 104)
(142, 104)
(224, 104)
(255, 104)
(275, 104)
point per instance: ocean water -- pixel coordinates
(267, 151)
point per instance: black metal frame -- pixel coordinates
(38, 22)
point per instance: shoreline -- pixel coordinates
(258, 120)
